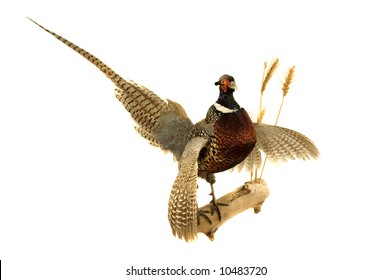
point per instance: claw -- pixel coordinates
(201, 213)
(215, 207)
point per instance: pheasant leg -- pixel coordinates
(214, 204)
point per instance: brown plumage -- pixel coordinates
(224, 139)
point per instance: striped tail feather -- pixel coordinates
(144, 106)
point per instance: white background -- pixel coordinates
(82, 196)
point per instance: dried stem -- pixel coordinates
(266, 76)
(259, 119)
(269, 71)
(285, 88)
(288, 80)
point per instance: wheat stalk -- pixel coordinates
(288, 80)
(268, 73)
(285, 89)
(266, 76)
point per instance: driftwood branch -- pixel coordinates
(249, 195)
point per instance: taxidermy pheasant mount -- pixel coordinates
(226, 138)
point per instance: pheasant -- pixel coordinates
(224, 139)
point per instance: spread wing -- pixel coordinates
(282, 144)
(182, 206)
(279, 144)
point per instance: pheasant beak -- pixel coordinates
(232, 85)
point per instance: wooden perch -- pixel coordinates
(249, 195)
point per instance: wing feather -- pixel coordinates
(182, 206)
(282, 144)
